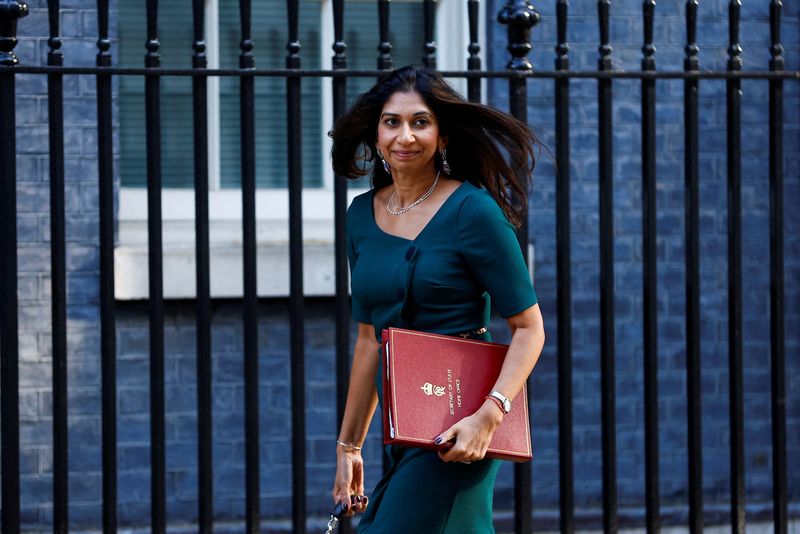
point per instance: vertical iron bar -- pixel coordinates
(58, 274)
(296, 300)
(564, 260)
(108, 345)
(649, 274)
(520, 17)
(205, 491)
(385, 62)
(155, 276)
(778, 343)
(384, 47)
(734, 160)
(474, 60)
(250, 297)
(342, 303)
(429, 48)
(692, 216)
(9, 342)
(607, 338)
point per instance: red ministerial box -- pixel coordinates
(432, 381)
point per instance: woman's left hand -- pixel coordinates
(471, 435)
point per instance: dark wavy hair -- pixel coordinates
(485, 146)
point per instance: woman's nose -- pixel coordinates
(406, 135)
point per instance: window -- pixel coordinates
(270, 35)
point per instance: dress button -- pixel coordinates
(410, 252)
(401, 293)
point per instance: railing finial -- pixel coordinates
(691, 61)
(429, 48)
(648, 49)
(54, 56)
(246, 60)
(562, 47)
(339, 45)
(199, 58)
(10, 12)
(385, 46)
(520, 17)
(735, 49)
(776, 49)
(603, 11)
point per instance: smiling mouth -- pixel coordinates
(404, 154)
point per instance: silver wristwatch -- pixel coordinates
(505, 403)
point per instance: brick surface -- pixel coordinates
(79, 27)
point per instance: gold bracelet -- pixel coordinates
(348, 445)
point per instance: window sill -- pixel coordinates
(225, 243)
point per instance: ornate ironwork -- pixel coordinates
(735, 340)
(776, 49)
(566, 470)
(152, 58)
(607, 288)
(293, 46)
(10, 12)
(562, 48)
(55, 108)
(649, 49)
(54, 56)
(692, 233)
(649, 273)
(734, 48)
(199, 60)
(103, 42)
(339, 45)
(384, 47)
(777, 279)
(692, 50)
(474, 48)
(246, 60)
(603, 8)
(429, 49)
(520, 17)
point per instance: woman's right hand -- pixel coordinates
(348, 486)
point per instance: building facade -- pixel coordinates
(78, 22)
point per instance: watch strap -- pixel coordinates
(503, 401)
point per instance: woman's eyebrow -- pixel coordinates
(416, 113)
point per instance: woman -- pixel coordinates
(428, 246)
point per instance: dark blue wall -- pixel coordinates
(79, 27)
(626, 37)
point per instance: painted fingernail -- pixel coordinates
(438, 440)
(346, 507)
(358, 498)
(352, 499)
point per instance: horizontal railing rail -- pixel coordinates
(347, 73)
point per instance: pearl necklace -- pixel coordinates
(394, 209)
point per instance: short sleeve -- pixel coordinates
(488, 242)
(359, 313)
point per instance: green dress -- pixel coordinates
(439, 282)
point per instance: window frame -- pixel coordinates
(271, 203)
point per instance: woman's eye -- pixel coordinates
(390, 122)
(422, 122)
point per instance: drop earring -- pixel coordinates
(385, 163)
(445, 164)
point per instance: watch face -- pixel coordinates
(507, 405)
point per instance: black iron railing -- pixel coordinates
(520, 17)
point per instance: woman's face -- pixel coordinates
(408, 133)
